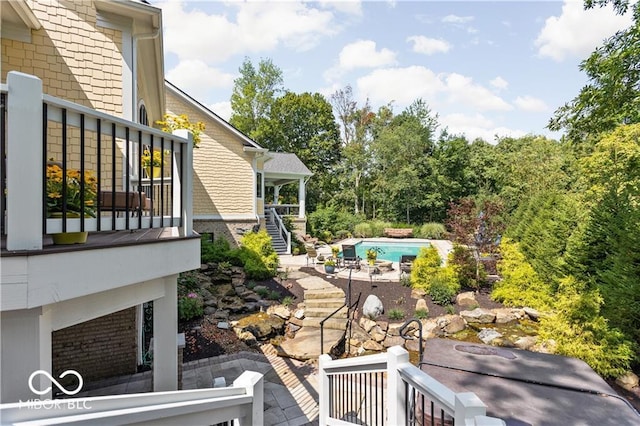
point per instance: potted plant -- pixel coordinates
(335, 250)
(68, 193)
(372, 254)
(329, 266)
(148, 159)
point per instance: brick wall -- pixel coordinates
(100, 348)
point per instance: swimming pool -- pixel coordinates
(390, 250)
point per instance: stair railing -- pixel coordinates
(283, 233)
(349, 306)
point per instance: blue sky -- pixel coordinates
(486, 68)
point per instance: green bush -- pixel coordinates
(443, 286)
(377, 227)
(520, 285)
(190, 306)
(396, 314)
(470, 274)
(187, 282)
(363, 230)
(422, 314)
(333, 220)
(259, 258)
(287, 301)
(216, 251)
(580, 331)
(431, 230)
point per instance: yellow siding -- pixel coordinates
(223, 180)
(75, 59)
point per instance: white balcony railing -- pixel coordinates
(387, 389)
(41, 130)
(242, 403)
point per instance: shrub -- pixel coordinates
(396, 314)
(421, 314)
(214, 251)
(466, 267)
(520, 285)
(443, 286)
(287, 301)
(580, 331)
(187, 282)
(363, 230)
(262, 291)
(377, 227)
(190, 306)
(274, 295)
(405, 280)
(450, 309)
(424, 267)
(432, 230)
(259, 257)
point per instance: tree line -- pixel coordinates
(569, 208)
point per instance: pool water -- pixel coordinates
(390, 251)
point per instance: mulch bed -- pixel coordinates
(395, 296)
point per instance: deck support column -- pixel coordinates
(165, 329)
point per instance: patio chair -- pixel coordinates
(311, 253)
(406, 263)
(349, 257)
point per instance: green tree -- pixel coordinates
(402, 152)
(304, 125)
(254, 94)
(356, 131)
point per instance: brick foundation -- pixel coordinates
(97, 349)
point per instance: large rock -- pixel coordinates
(366, 323)
(261, 325)
(487, 335)
(430, 328)
(478, 315)
(628, 381)
(418, 293)
(412, 345)
(450, 324)
(532, 313)
(280, 311)
(372, 307)
(505, 315)
(421, 305)
(372, 345)
(526, 342)
(393, 341)
(377, 334)
(467, 300)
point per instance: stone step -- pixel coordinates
(324, 293)
(322, 313)
(306, 344)
(330, 324)
(324, 303)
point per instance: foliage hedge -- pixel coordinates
(256, 254)
(428, 274)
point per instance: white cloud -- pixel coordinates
(351, 7)
(499, 83)
(401, 85)
(404, 85)
(360, 54)
(195, 76)
(223, 109)
(255, 27)
(531, 104)
(363, 54)
(455, 19)
(429, 46)
(461, 89)
(476, 126)
(577, 32)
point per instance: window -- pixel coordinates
(259, 185)
(143, 118)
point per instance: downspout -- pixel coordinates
(134, 67)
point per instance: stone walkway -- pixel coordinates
(290, 386)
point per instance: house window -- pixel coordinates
(259, 185)
(143, 118)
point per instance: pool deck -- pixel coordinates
(364, 274)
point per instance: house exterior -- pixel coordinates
(230, 173)
(79, 82)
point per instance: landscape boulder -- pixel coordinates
(372, 307)
(627, 381)
(478, 315)
(487, 335)
(467, 299)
